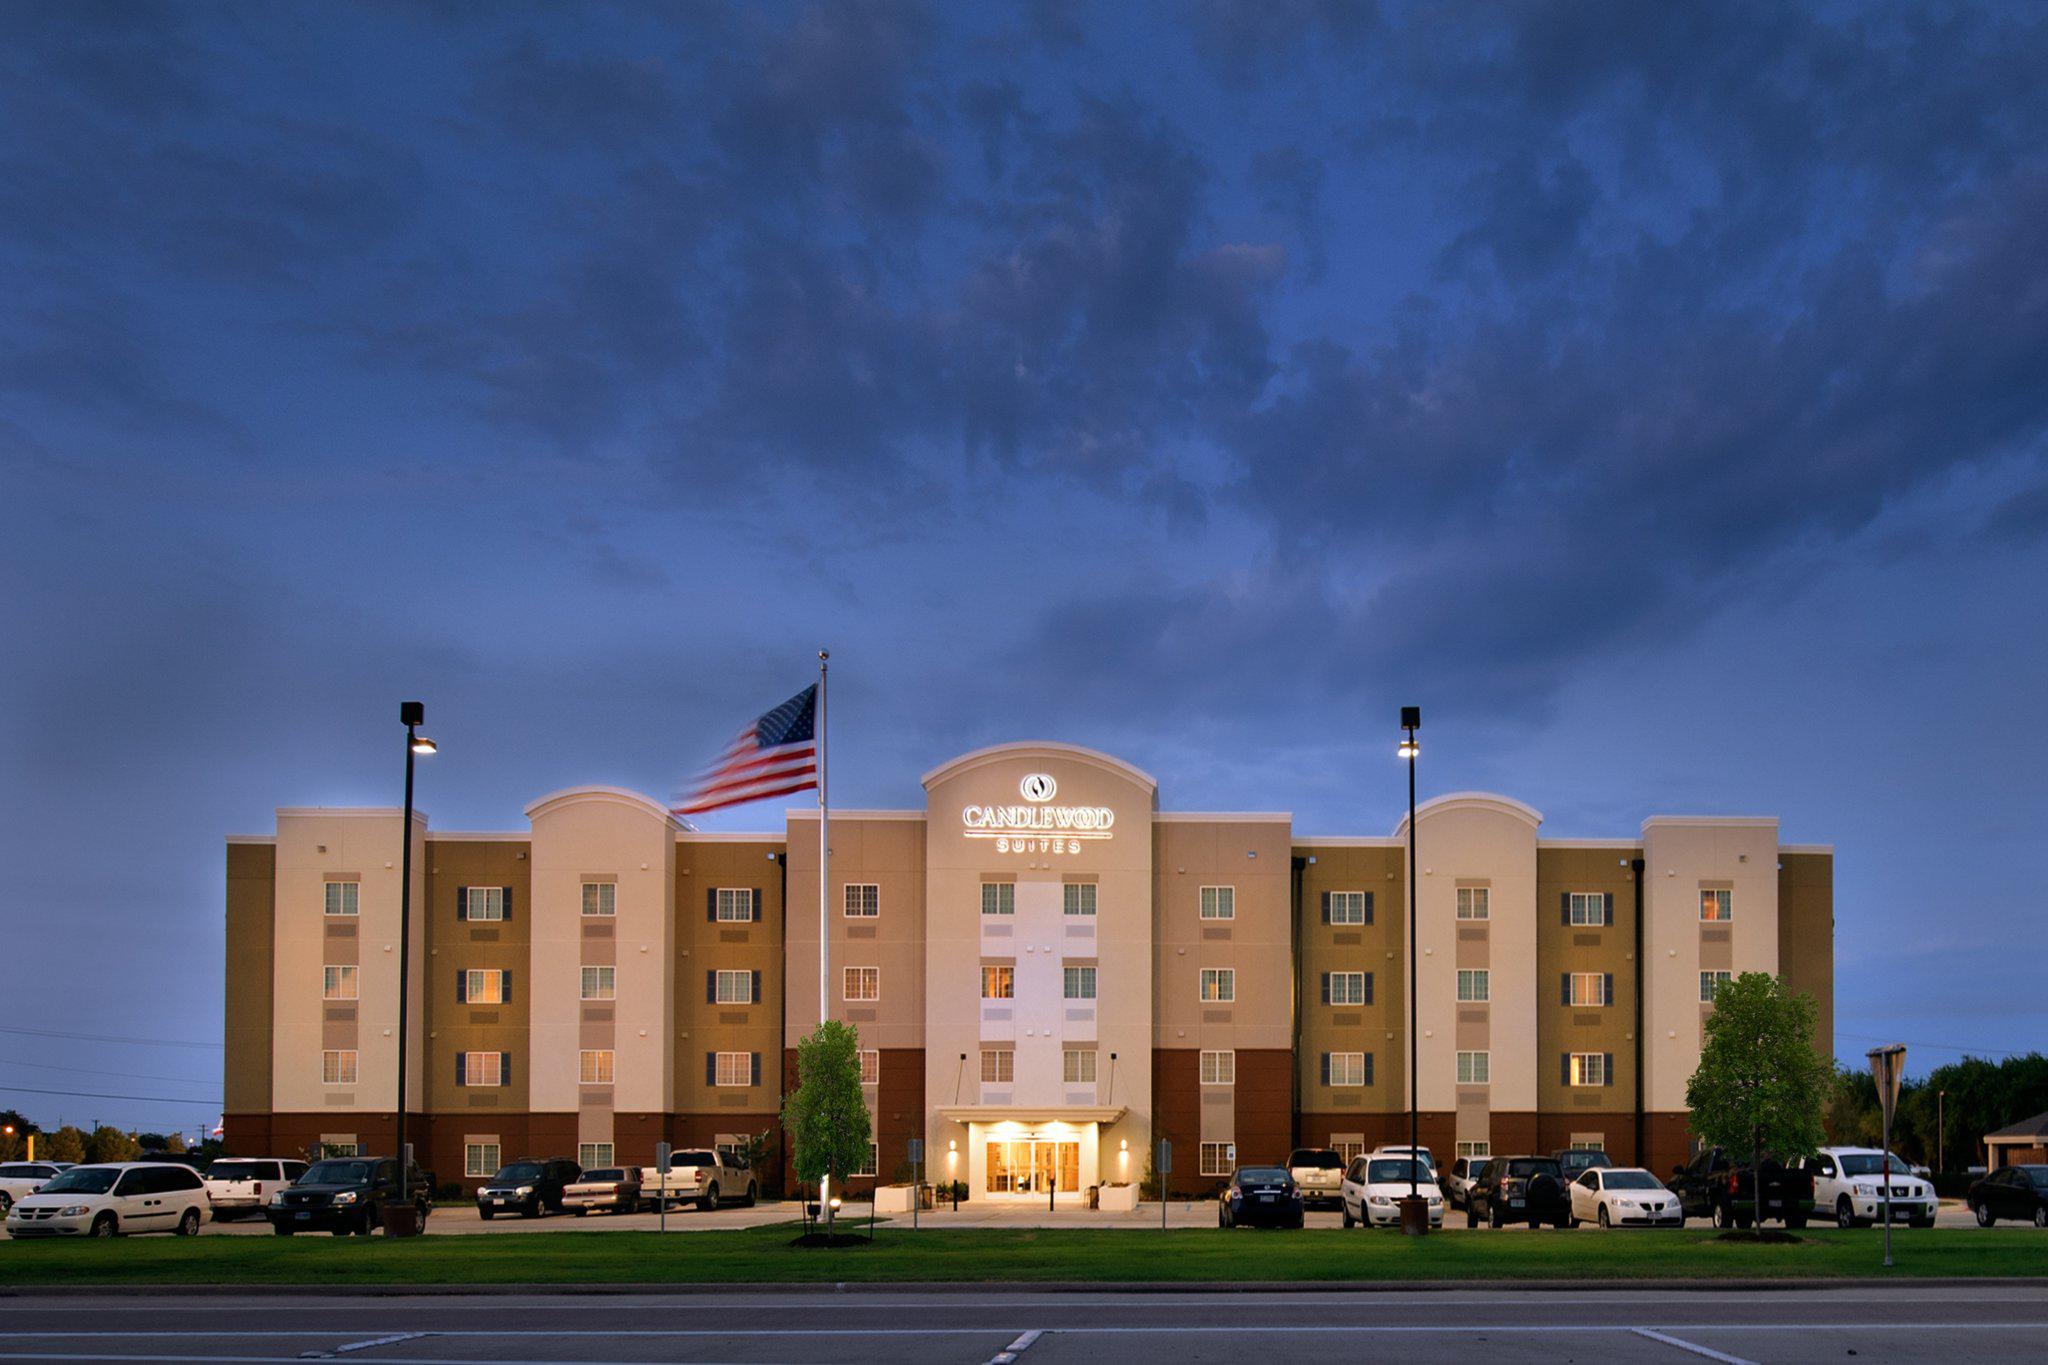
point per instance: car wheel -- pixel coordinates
(1349, 1221)
(1604, 1223)
(280, 1229)
(1798, 1220)
(106, 1225)
(1985, 1217)
(486, 1214)
(2041, 1216)
(1493, 1215)
(710, 1201)
(1845, 1213)
(581, 1210)
(531, 1209)
(5, 1203)
(1722, 1217)
(753, 1194)
(188, 1225)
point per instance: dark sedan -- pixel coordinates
(1260, 1195)
(2016, 1192)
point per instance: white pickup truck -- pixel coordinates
(700, 1176)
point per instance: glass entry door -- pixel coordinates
(1032, 1167)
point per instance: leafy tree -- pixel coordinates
(1760, 1084)
(825, 1115)
(66, 1144)
(111, 1144)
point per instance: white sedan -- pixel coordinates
(1624, 1197)
(1374, 1187)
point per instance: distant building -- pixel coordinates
(2019, 1144)
(1047, 972)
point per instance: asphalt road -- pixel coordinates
(1902, 1322)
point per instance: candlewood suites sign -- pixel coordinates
(1038, 826)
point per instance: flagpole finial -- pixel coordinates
(824, 654)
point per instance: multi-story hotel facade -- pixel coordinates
(1047, 971)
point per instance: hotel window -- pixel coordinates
(998, 1066)
(735, 905)
(600, 899)
(338, 1067)
(1595, 1144)
(1348, 1149)
(1711, 984)
(341, 898)
(599, 1066)
(480, 1160)
(863, 900)
(483, 902)
(1474, 987)
(1219, 1158)
(593, 1156)
(735, 1069)
(481, 986)
(1717, 906)
(1588, 990)
(336, 1146)
(733, 988)
(600, 983)
(1589, 1068)
(998, 898)
(1587, 909)
(1079, 1066)
(1349, 907)
(1475, 902)
(869, 1166)
(1219, 902)
(337, 983)
(1080, 983)
(1347, 1068)
(1475, 1068)
(998, 983)
(1219, 1068)
(870, 1066)
(486, 1069)
(1219, 985)
(1079, 898)
(1347, 988)
(861, 983)
(1481, 1150)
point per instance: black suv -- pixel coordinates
(1520, 1189)
(344, 1194)
(528, 1187)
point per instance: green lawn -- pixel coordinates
(763, 1255)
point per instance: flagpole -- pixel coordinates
(824, 923)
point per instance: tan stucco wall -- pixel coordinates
(703, 865)
(454, 945)
(1378, 948)
(251, 942)
(1806, 936)
(1561, 949)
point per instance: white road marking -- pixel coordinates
(1692, 1346)
(1008, 1355)
(362, 1345)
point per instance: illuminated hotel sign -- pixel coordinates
(1039, 827)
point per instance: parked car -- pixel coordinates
(2011, 1192)
(112, 1200)
(529, 1187)
(1457, 1181)
(243, 1185)
(1849, 1183)
(1375, 1185)
(1715, 1186)
(343, 1195)
(614, 1188)
(1319, 1173)
(700, 1176)
(1260, 1194)
(19, 1179)
(1623, 1197)
(1519, 1189)
(1574, 1161)
(1403, 1149)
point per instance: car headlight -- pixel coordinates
(277, 1200)
(345, 1197)
(74, 1211)
(524, 1189)
(1382, 1200)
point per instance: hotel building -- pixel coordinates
(1047, 972)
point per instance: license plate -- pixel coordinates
(303, 1216)
(1514, 1203)
(1265, 1199)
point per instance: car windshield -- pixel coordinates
(1630, 1180)
(238, 1170)
(1325, 1160)
(604, 1173)
(1535, 1166)
(692, 1159)
(2039, 1175)
(518, 1170)
(337, 1173)
(84, 1180)
(1385, 1171)
(1872, 1163)
(1586, 1160)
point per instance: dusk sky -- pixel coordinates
(1655, 395)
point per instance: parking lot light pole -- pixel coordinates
(411, 714)
(1414, 1209)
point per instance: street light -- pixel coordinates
(1414, 1209)
(411, 714)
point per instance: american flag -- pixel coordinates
(775, 755)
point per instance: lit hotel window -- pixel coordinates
(1219, 985)
(338, 983)
(998, 983)
(338, 1067)
(598, 1065)
(1717, 906)
(1586, 1068)
(1588, 990)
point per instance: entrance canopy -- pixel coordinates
(1031, 1113)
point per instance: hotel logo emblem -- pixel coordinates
(1038, 787)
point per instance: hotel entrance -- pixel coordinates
(1017, 1155)
(1033, 1167)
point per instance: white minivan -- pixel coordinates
(20, 1179)
(107, 1201)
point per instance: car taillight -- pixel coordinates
(1731, 1182)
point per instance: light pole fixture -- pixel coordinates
(1414, 1209)
(411, 714)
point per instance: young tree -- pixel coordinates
(825, 1116)
(1760, 1084)
(66, 1144)
(111, 1144)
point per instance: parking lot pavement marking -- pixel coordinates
(363, 1345)
(1008, 1355)
(1693, 1346)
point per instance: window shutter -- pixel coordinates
(1368, 907)
(711, 1068)
(504, 1068)
(1326, 1068)
(710, 988)
(754, 910)
(1368, 988)
(508, 901)
(1607, 988)
(1608, 1070)
(1564, 908)
(757, 1069)
(1564, 1068)
(1368, 1068)
(1565, 982)
(1326, 920)
(462, 902)
(461, 986)
(505, 987)
(462, 1068)
(711, 905)
(1326, 983)
(754, 988)
(1607, 907)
